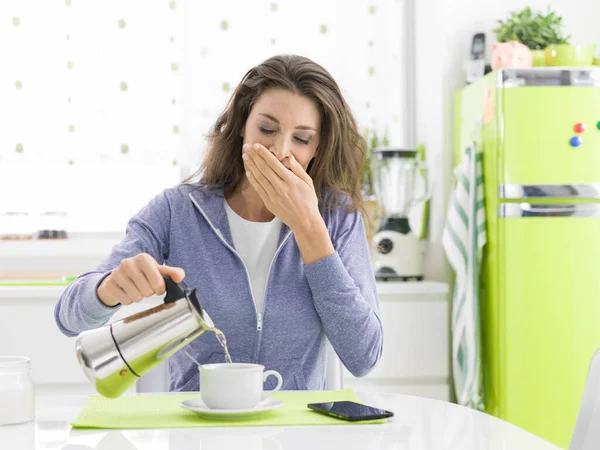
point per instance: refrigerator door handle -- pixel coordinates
(548, 209)
(541, 76)
(520, 210)
(518, 191)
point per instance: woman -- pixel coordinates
(271, 236)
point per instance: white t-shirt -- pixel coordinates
(256, 243)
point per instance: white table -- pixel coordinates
(419, 423)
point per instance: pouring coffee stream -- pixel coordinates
(222, 340)
(115, 355)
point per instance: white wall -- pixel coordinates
(443, 33)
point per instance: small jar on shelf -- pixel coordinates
(53, 225)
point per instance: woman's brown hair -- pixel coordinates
(341, 152)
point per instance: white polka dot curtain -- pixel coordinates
(124, 85)
(91, 81)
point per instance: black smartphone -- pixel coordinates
(350, 411)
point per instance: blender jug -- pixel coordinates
(398, 251)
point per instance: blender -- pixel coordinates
(399, 252)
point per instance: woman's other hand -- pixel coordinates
(288, 193)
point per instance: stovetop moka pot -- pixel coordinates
(116, 355)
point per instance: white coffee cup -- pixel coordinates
(235, 386)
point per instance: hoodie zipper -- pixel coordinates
(259, 315)
(259, 321)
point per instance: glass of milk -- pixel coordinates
(16, 390)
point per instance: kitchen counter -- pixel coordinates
(419, 423)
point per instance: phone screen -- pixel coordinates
(350, 411)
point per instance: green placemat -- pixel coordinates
(164, 411)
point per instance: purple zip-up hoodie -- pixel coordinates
(186, 226)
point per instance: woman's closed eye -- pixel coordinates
(268, 131)
(302, 141)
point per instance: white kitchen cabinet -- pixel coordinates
(27, 328)
(415, 357)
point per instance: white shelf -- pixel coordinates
(408, 289)
(412, 288)
(60, 248)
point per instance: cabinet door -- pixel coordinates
(415, 340)
(28, 328)
(549, 315)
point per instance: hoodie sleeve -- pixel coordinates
(79, 308)
(345, 296)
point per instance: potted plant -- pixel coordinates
(372, 141)
(533, 29)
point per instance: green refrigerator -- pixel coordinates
(539, 130)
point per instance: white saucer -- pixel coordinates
(198, 406)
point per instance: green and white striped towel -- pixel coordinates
(463, 239)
